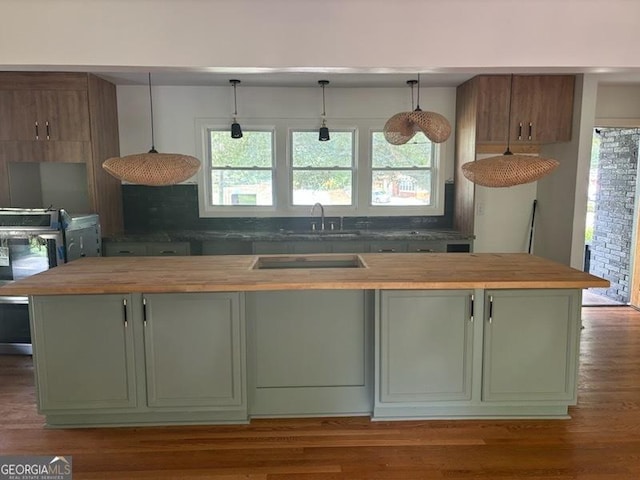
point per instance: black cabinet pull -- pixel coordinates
(164, 252)
(428, 250)
(37, 136)
(530, 130)
(48, 131)
(126, 252)
(520, 131)
(386, 250)
(124, 311)
(490, 308)
(144, 311)
(471, 307)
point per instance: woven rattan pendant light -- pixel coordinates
(152, 168)
(507, 170)
(401, 127)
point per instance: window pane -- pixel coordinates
(329, 187)
(254, 149)
(401, 187)
(384, 154)
(308, 151)
(241, 187)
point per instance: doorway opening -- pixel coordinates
(611, 214)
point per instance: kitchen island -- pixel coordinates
(213, 339)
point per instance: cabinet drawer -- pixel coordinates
(426, 247)
(387, 247)
(168, 249)
(124, 249)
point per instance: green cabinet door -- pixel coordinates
(425, 346)
(531, 345)
(83, 351)
(194, 350)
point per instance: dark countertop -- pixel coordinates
(284, 235)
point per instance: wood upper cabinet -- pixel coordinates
(40, 115)
(62, 118)
(541, 108)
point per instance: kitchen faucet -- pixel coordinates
(313, 209)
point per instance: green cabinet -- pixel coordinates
(531, 345)
(193, 350)
(140, 359)
(84, 352)
(425, 346)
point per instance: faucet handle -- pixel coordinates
(313, 226)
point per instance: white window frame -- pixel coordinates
(282, 165)
(204, 178)
(436, 194)
(354, 169)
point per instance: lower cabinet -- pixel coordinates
(475, 354)
(531, 345)
(143, 359)
(140, 359)
(84, 352)
(426, 345)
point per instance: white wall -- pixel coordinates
(311, 34)
(176, 110)
(618, 102)
(503, 218)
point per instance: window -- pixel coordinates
(401, 175)
(241, 169)
(322, 171)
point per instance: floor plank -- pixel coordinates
(600, 442)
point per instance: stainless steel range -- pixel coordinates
(32, 241)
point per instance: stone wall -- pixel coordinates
(614, 214)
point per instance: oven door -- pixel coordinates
(15, 336)
(23, 254)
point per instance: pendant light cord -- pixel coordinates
(235, 100)
(153, 143)
(324, 114)
(418, 97)
(508, 152)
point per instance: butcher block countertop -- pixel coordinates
(237, 273)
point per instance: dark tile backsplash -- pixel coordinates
(160, 209)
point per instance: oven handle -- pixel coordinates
(14, 300)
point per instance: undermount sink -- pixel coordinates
(308, 261)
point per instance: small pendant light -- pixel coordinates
(323, 134)
(152, 168)
(508, 170)
(236, 131)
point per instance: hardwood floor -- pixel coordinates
(600, 442)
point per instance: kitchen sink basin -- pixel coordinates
(273, 262)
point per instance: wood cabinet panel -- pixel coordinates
(542, 108)
(492, 108)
